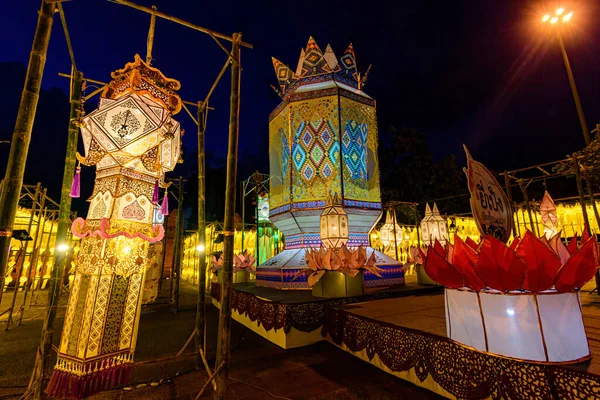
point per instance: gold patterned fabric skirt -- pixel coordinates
(101, 323)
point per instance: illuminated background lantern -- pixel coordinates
(322, 141)
(132, 140)
(433, 226)
(391, 232)
(334, 224)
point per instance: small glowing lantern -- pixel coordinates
(391, 233)
(549, 216)
(433, 226)
(334, 223)
(263, 209)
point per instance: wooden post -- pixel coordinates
(224, 338)
(581, 193)
(510, 201)
(395, 244)
(590, 190)
(528, 207)
(179, 245)
(243, 201)
(15, 168)
(201, 307)
(150, 41)
(34, 206)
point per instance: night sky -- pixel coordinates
(483, 73)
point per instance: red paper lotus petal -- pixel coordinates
(542, 264)
(449, 252)
(471, 243)
(515, 243)
(437, 246)
(441, 271)
(578, 269)
(464, 259)
(498, 266)
(572, 246)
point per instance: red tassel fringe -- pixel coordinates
(69, 386)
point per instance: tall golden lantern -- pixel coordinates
(132, 141)
(334, 224)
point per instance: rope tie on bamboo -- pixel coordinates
(227, 233)
(6, 233)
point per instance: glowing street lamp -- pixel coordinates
(555, 20)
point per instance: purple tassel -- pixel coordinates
(76, 185)
(156, 194)
(164, 208)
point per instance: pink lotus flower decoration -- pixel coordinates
(343, 260)
(240, 262)
(530, 264)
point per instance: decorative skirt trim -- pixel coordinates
(76, 380)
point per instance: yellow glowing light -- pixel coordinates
(546, 18)
(62, 247)
(554, 20)
(200, 248)
(559, 11)
(567, 17)
(126, 250)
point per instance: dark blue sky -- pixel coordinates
(474, 72)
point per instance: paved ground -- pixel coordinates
(320, 371)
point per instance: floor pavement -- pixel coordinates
(259, 369)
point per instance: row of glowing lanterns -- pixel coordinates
(560, 14)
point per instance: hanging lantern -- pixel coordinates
(433, 226)
(549, 216)
(263, 208)
(391, 232)
(334, 223)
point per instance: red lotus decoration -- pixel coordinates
(531, 264)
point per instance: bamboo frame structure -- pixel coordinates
(224, 332)
(15, 168)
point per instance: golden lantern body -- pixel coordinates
(334, 224)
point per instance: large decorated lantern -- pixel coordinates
(334, 224)
(322, 142)
(132, 141)
(390, 232)
(549, 216)
(433, 226)
(519, 300)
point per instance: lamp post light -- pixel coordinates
(556, 21)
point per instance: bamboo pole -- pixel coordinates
(224, 338)
(201, 307)
(43, 361)
(590, 190)
(581, 193)
(15, 168)
(150, 41)
(528, 207)
(181, 22)
(510, 200)
(179, 247)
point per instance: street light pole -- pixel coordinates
(584, 127)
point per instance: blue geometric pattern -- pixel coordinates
(315, 151)
(285, 154)
(354, 146)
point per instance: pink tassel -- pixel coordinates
(76, 185)
(156, 194)
(164, 208)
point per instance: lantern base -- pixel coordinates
(422, 277)
(335, 284)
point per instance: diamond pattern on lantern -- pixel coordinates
(354, 149)
(299, 156)
(308, 172)
(326, 137)
(307, 138)
(327, 170)
(317, 154)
